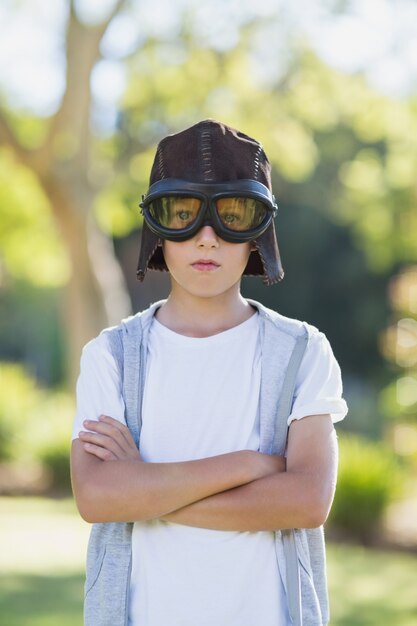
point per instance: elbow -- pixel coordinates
(317, 509)
(87, 513)
(92, 514)
(98, 503)
(89, 505)
(86, 516)
(84, 507)
(315, 518)
(319, 512)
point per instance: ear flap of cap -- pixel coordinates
(266, 260)
(150, 255)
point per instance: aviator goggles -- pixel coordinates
(238, 211)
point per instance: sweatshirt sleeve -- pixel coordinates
(99, 387)
(318, 388)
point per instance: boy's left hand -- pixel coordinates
(109, 440)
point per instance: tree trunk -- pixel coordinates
(96, 295)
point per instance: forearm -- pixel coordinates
(285, 500)
(134, 490)
(297, 496)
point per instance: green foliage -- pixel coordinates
(116, 207)
(30, 247)
(35, 424)
(19, 396)
(30, 130)
(369, 479)
(55, 459)
(399, 345)
(30, 330)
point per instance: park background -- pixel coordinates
(87, 89)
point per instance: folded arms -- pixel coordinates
(243, 490)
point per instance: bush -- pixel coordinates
(56, 462)
(369, 479)
(50, 437)
(19, 395)
(35, 425)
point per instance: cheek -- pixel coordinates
(172, 252)
(245, 251)
(238, 256)
(166, 252)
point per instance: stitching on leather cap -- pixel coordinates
(161, 168)
(206, 155)
(256, 162)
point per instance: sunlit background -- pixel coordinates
(87, 89)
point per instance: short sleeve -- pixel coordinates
(99, 387)
(318, 388)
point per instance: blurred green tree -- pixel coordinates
(338, 148)
(59, 156)
(398, 343)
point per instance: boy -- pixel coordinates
(184, 465)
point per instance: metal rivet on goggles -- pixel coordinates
(239, 210)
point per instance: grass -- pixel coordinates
(39, 600)
(371, 588)
(42, 548)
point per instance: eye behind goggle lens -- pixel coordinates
(175, 212)
(241, 214)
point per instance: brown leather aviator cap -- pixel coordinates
(211, 152)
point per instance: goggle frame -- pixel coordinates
(207, 215)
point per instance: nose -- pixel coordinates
(207, 237)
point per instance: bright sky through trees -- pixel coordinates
(376, 37)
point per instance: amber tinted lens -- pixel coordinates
(241, 213)
(175, 212)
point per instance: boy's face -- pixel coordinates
(206, 266)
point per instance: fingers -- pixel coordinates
(119, 427)
(126, 442)
(109, 434)
(93, 440)
(99, 452)
(107, 428)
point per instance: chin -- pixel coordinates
(214, 291)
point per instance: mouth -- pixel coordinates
(205, 265)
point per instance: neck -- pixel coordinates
(201, 317)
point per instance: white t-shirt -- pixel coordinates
(201, 399)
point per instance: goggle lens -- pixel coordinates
(241, 214)
(175, 212)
